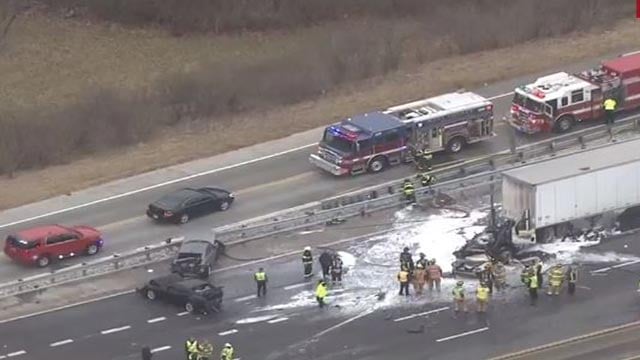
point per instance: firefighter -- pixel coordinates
(538, 271)
(409, 191)
(190, 347)
(261, 281)
(321, 293)
(205, 351)
(434, 273)
(499, 276)
(609, 106)
(533, 285)
(227, 352)
(426, 179)
(406, 260)
(420, 274)
(458, 298)
(525, 275)
(403, 279)
(423, 160)
(486, 276)
(336, 270)
(307, 262)
(482, 297)
(572, 278)
(325, 263)
(556, 277)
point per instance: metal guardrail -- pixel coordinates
(470, 174)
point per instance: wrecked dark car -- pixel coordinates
(194, 295)
(196, 258)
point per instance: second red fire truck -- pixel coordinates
(558, 101)
(373, 141)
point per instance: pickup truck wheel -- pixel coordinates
(564, 124)
(43, 261)
(455, 145)
(189, 307)
(378, 164)
(224, 206)
(92, 249)
(184, 219)
(150, 294)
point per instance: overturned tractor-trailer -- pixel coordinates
(553, 198)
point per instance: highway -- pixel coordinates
(264, 186)
(288, 325)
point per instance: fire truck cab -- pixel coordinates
(373, 141)
(557, 101)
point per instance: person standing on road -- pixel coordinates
(307, 262)
(406, 260)
(459, 303)
(538, 270)
(409, 191)
(609, 106)
(261, 281)
(482, 297)
(486, 276)
(321, 293)
(227, 352)
(435, 275)
(325, 260)
(420, 274)
(572, 278)
(556, 276)
(190, 347)
(146, 353)
(500, 276)
(533, 288)
(403, 278)
(336, 270)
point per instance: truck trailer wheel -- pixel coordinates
(378, 164)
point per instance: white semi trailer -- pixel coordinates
(548, 198)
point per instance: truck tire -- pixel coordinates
(455, 145)
(564, 123)
(377, 164)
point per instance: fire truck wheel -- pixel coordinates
(378, 164)
(455, 145)
(564, 124)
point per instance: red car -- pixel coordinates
(39, 246)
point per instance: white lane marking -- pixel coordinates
(615, 266)
(363, 314)
(115, 330)
(463, 334)
(16, 353)
(295, 286)
(155, 186)
(421, 314)
(62, 342)
(2, 357)
(155, 320)
(232, 267)
(275, 321)
(228, 332)
(161, 348)
(245, 298)
(500, 95)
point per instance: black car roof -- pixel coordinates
(193, 283)
(168, 279)
(177, 197)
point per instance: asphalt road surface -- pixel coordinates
(288, 325)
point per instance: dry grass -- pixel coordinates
(179, 146)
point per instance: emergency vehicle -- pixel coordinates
(373, 141)
(557, 101)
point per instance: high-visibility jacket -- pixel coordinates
(533, 281)
(191, 346)
(307, 257)
(226, 354)
(556, 277)
(321, 291)
(610, 104)
(482, 293)
(458, 292)
(435, 272)
(261, 276)
(403, 276)
(408, 188)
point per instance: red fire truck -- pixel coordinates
(371, 142)
(556, 102)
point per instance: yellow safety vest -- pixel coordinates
(261, 276)
(227, 353)
(610, 104)
(408, 188)
(482, 293)
(191, 346)
(403, 276)
(533, 281)
(321, 291)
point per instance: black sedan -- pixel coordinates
(195, 295)
(184, 204)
